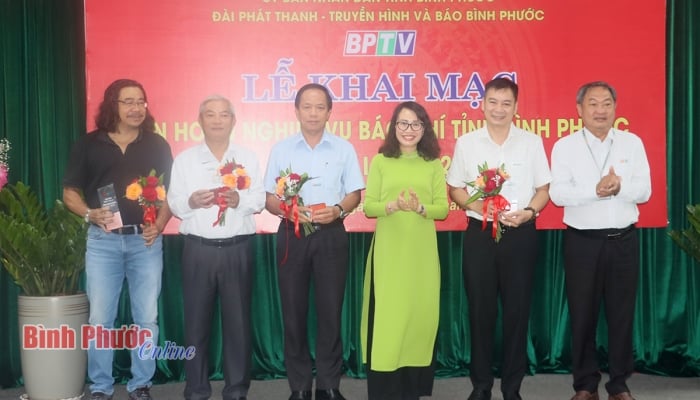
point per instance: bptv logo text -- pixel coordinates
(380, 43)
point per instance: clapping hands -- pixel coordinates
(410, 203)
(609, 185)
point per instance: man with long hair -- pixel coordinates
(123, 148)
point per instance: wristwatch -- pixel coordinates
(343, 214)
(535, 213)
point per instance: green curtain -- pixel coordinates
(42, 106)
(42, 111)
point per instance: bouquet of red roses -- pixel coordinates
(487, 187)
(233, 176)
(288, 187)
(4, 168)
(150, 193)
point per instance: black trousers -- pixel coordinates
(321, 257)
(494, 271)
(601, 269)
(207, 272)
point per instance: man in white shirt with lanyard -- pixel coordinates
(217, 254)
(599, 175)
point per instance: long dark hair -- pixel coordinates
(428, 147)
(107, 117)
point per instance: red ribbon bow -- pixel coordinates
(222, 203)
(499, 204)
(149, 214)
(294, 208)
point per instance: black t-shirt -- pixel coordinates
(96, 161)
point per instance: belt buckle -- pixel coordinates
(622, 232)
(126, 230)
(219, 243)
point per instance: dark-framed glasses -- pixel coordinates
(415, 126)
(133, 103)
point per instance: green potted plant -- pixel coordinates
(44, 253)
(689, 239)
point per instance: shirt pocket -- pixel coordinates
(332, 176)
(622, 166)
(517, 178)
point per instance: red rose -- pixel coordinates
(294, 177)
(241, 182)
(490, 186)
(491, 180)
(227, 169)
(150, 194)
(151, 181)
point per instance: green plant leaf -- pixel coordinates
(43, 251)
(689, 239)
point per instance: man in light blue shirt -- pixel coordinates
(322, 254)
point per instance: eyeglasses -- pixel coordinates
(415, 126)
(133, 103)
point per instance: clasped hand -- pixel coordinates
(515, 218)
(408, 204)
(508, 218)
(609, 185)
(205, 198)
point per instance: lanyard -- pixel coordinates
(595, 159)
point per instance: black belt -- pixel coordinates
(336, 223)
(128, 230)
(607, 234)
(225, 242)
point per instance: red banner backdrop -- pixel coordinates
(375, 54)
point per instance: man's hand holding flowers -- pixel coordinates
(305, 214)
(234, 177)
(205, 198)
(202, 198)
(149, 192)
(289, 186)
(229, 197)
(323, 215)
(486, 188)
(151, 232)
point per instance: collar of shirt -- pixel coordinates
(301, 140)
(592, 139)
